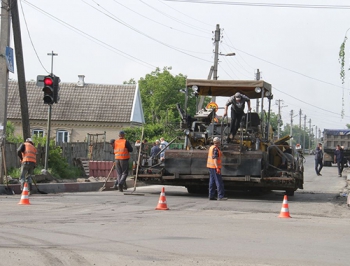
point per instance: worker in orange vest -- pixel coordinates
(122, 149)
(214, 167)
(27, 155)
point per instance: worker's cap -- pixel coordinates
(238, 95)
(122, 133)
(29, 140)
(216, 140)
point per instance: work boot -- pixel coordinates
(115, 186)
(120, 188)
(125, 186)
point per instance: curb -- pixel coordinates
(52, 188)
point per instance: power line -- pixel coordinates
(293, 71)
(173, 18)
(262, 4)
(191, 17)
(159, 23)
(90, 37)
(30, 38)
(110, 15)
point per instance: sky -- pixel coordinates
(295, 45)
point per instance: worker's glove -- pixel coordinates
(218, 171)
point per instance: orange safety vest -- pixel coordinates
(29, 154)
(210, 161)
(120, 150)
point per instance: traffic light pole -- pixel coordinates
(48, 121)
(48, 136)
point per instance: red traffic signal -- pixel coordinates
(48, 81)
(48, 90)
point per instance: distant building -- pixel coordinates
(82, 109)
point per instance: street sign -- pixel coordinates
(9, 59)
(40, 80)
(213, 105)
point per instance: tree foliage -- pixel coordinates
(160, 92)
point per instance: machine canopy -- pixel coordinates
(228, 88)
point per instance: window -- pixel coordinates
(38, 132)
(62, 136)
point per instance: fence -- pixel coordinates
(101, 151)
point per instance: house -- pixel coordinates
(83, 109)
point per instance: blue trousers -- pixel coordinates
(215, 181)
(318, 165)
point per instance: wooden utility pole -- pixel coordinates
(4, 76)
(216, 55)
(20, 69)
(257, 77)
(291, 127)
(279, 118)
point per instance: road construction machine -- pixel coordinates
(252, 161)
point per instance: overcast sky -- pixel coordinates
(295, 46)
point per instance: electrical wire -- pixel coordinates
(262, 4)
(191, 17)
(173, 18)
(290, 70)
(159, 23)
(90, 37)
(30, 38)
(110, 15)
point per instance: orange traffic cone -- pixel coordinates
(24, 197)
(162, 201)
(285, 209)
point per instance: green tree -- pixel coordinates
(298, 135)
(160, 92)
(348, 126)
(10, 134)
(131, 81)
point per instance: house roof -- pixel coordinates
(90, 102)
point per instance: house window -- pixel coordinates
(38, 132)
(62, 136)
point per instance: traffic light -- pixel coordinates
(51, 88)
(48, 90)
(56, 88)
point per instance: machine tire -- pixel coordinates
(290, 192)
(196, 190)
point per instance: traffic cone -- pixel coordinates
(24, 197)
(285, 209)
(162, 201)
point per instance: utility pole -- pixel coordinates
(316, 135)
(309, 133)
(300, 113)
(257, 77)
(291, 127)
(319, 134)
(304, 132)
(4, 74)
(52, 54)
(20, 69)
(216, 55)
(279, 120)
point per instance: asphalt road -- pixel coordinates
(110, 228)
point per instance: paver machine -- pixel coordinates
(253, 161)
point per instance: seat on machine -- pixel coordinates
(253, 120)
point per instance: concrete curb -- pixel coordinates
(52, 188)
